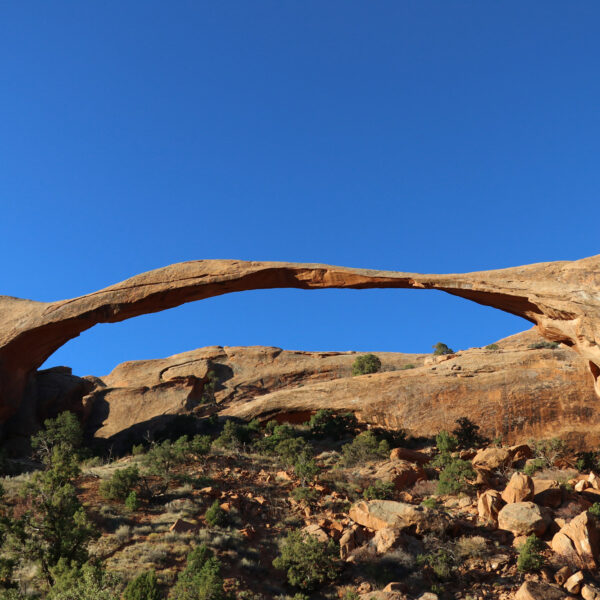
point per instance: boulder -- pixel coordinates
(399, 472)
(537, 590)
(520, 452)
(384, 540)
(316, 531)
(351, 539)
(579, 541)
(490, 459)
(547, 492)
(562, 575)
(573, 584)
(388, 514)
(489, 504)
(409, 455)
(181, 526)
(519, 489)
(524, 518)
(589, 591)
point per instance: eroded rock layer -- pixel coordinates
(515, 392)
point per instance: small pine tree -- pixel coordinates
(120, 483)
(201, 579)
(530, 557)
(467, 433)
(365, 364)
(215, 515)
(440, 348)
(143, 587)
(131, 502)
(307, 561)
(455, 477)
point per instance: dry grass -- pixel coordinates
(423, 488)
(472, 547)
(136, 557)
(560, 475)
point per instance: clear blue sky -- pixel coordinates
(414, 135)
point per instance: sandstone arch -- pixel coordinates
(561, 298)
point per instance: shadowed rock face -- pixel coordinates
(561, 298)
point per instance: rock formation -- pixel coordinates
(561, 298)
(515, 392)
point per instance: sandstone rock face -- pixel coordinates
(388, 514)
(561, 298)
(523, 518)
(579, 541)
(517, 393)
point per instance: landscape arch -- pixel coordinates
(561, 298)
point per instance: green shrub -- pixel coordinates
(210, 387)
(306, 495)
(549, 450)
(307, 561)
(288, 450)
(588, 461)
(138, 449)
(327, 424)
(445, 442)
(64, 431)
(441, 562)
(306, 468)
(594, 510)
(143, 587)
(201, 579)
(455, 477)
(429, 503)
(530, 557)
(120, 484)
(162, 458)
(440, 349)
(200, 445)
(54, 526)
(492, 347)
(407, 367)
(467, 434)
(89, 582)
(275, 435)
(365, 364)
(131, 502)
(235, 435)
(380, 490)
(215, 515)
(544, 345)
(534, 465)
(365, 446)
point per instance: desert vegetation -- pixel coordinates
(324, 509)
